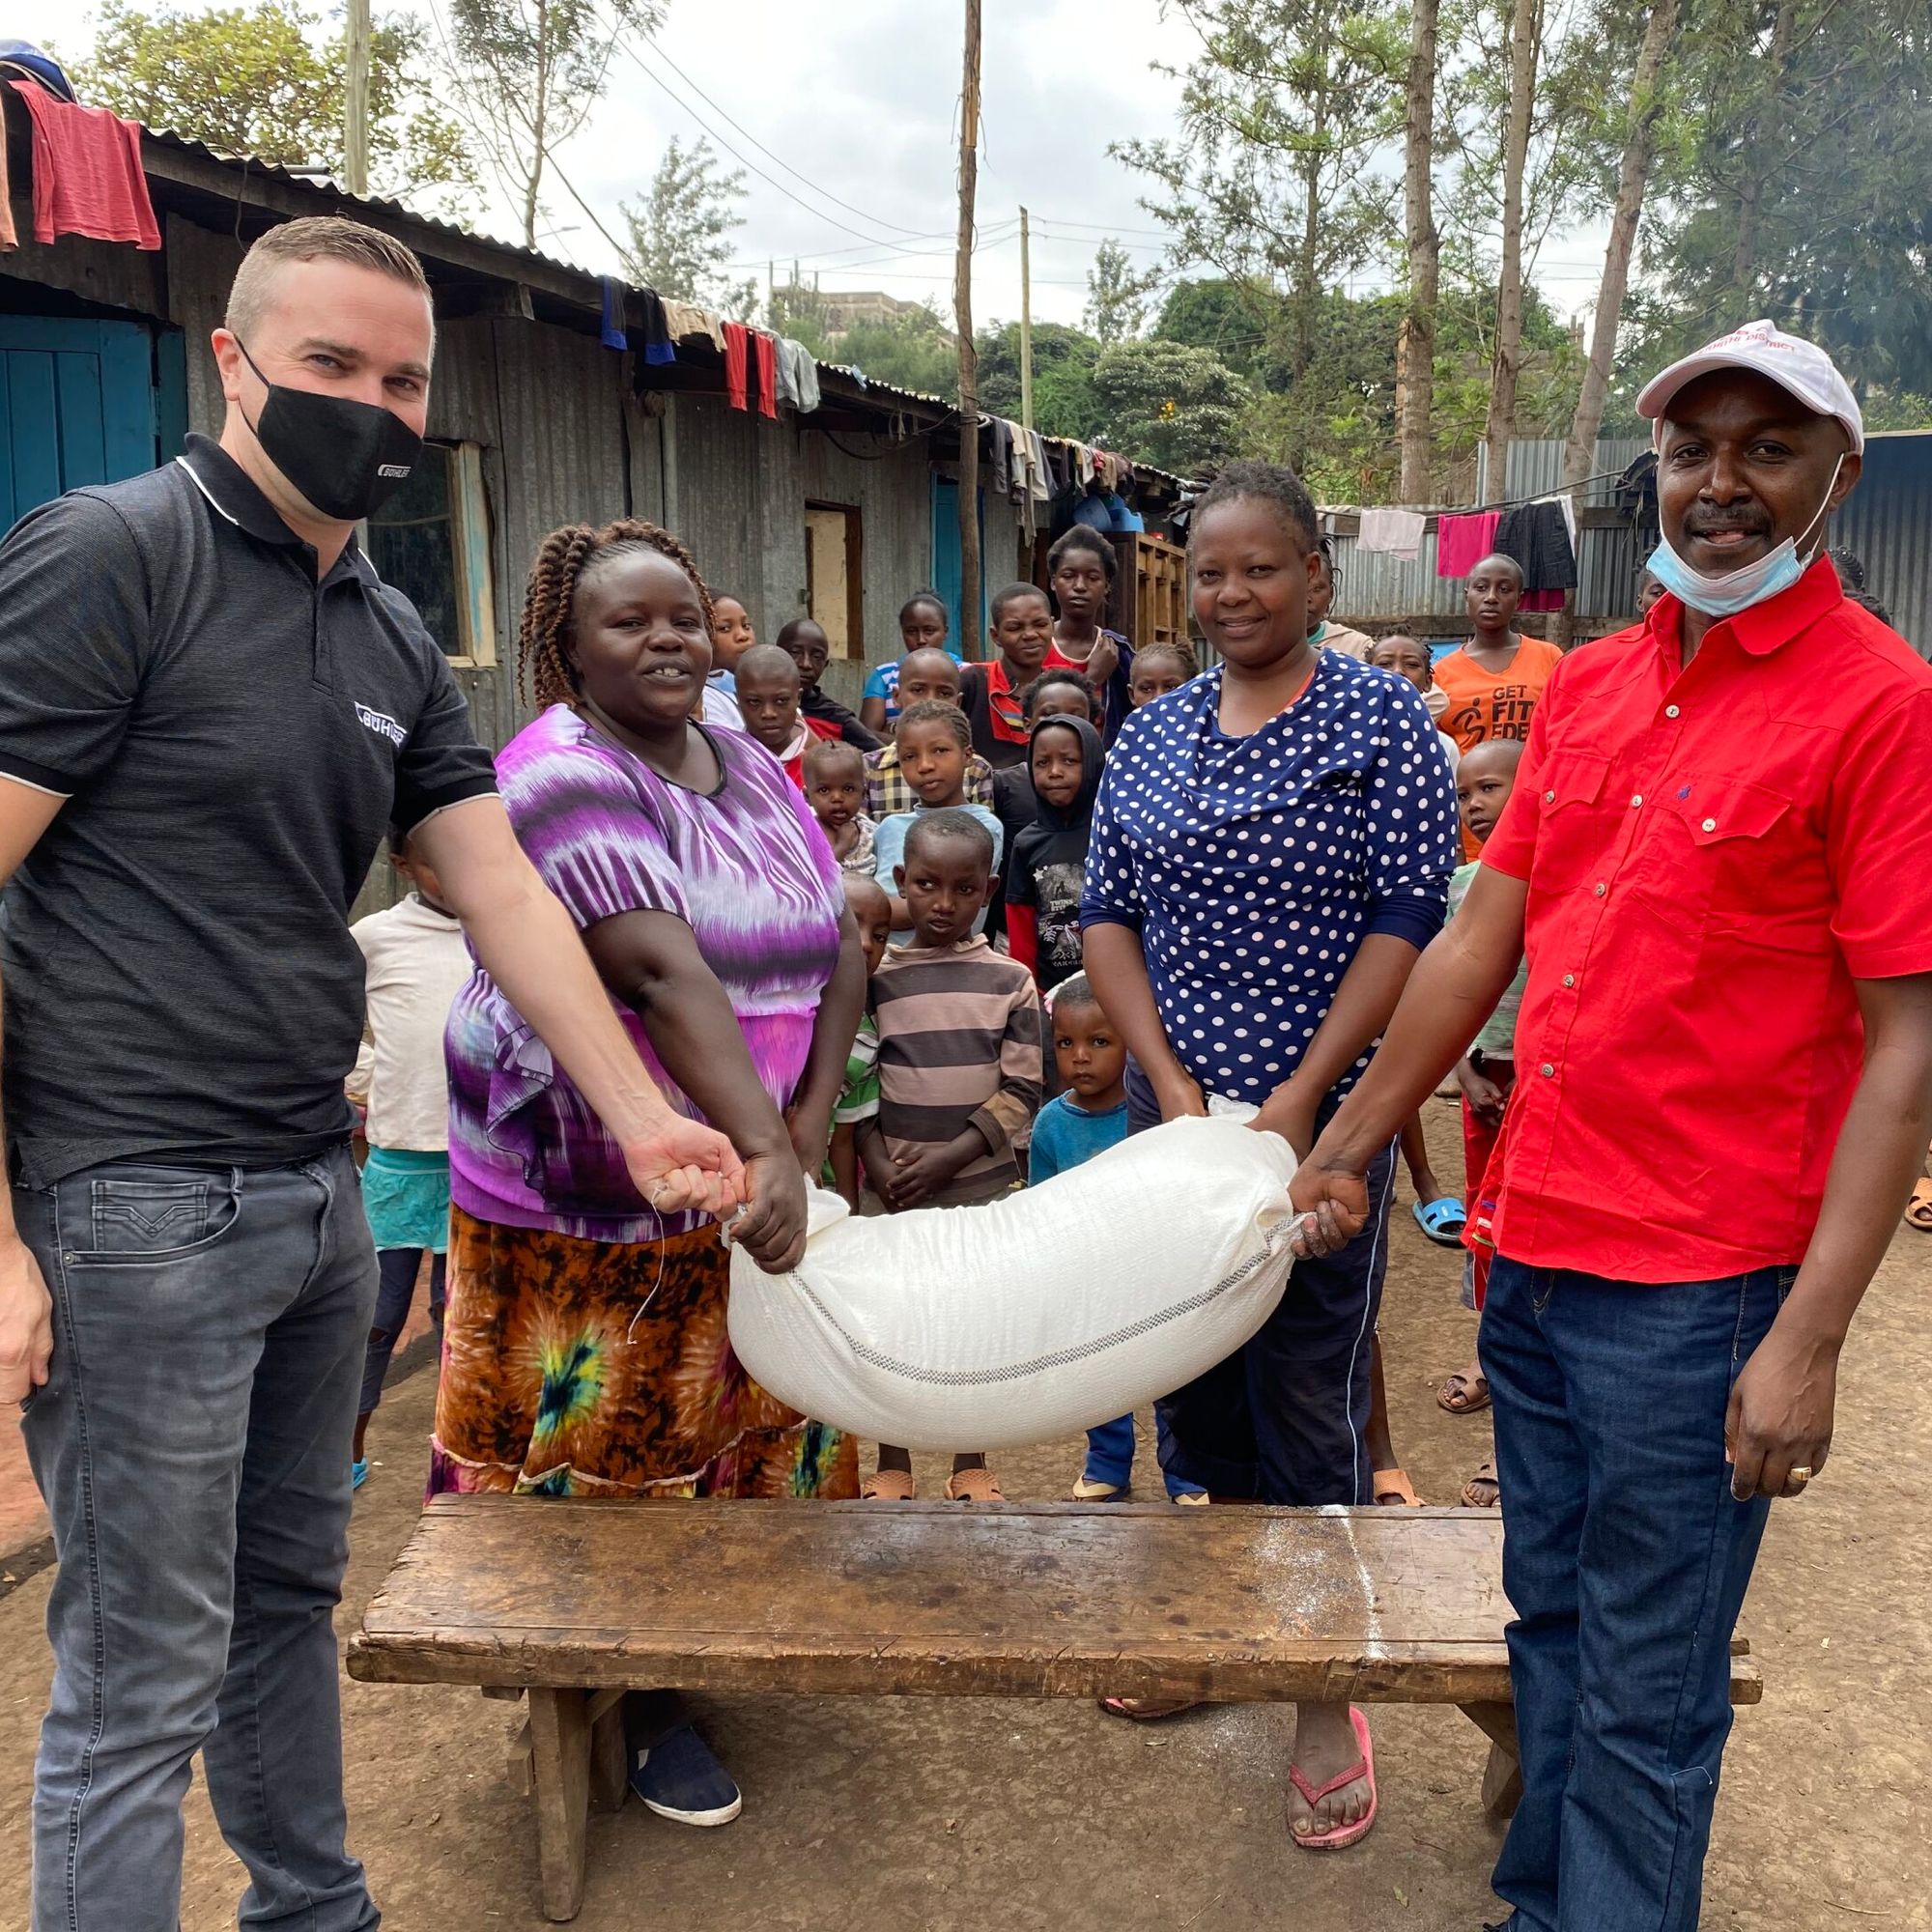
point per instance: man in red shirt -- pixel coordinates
(1717, 861)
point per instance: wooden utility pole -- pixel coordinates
(355, 102)
(1415, 349)
(1026, 325)
(962, 321)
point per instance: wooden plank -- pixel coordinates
(127, 396)
(170, 393)
(1026, 1600)
(610, 1760)
(78, 377)
(1023, 1601)
(560, 1768)
(36, 427)
(1502, 1784)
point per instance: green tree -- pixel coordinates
(527, 74)
(1799, 187)
(1283, 113)
(1233, 318)
(912, 352)
(1064, 360)
(680, 235)
(262, 81)
(1181, 407)
(1117, 294)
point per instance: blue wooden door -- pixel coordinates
(948, 568)
(79, 403)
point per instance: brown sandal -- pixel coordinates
(1918, 1210)
(974, 1486)
(1464, 1395)
(1390, 1487)
(1484, 1478)
(888, 1486)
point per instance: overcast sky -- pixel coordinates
(859, 99)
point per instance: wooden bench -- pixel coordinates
(574, 1601)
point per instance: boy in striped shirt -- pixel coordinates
(960, 1067)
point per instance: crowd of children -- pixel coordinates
(962, 839)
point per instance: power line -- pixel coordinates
(878, 221)
(995, 237)
(831, 221)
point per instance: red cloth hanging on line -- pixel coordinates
(88, 177)
(737, 338)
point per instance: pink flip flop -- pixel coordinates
(1343, 1835)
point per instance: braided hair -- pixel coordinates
(1269, 483)
(563, 559)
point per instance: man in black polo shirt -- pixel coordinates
(211, 707)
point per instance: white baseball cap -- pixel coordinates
(1789, 361)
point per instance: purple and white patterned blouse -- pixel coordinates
(746, 867)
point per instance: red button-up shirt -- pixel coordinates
(1714, 854)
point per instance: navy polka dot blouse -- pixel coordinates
(1254, 868)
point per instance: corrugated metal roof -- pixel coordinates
(249, 164)
(514, 254)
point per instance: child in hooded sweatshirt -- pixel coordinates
(1049, 858)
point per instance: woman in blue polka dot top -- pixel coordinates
(1272, 850)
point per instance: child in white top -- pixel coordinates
(415, 962)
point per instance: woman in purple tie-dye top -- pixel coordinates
(586, 1345)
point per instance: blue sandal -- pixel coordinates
(1442, 1220)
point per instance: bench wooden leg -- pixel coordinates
(560, 1772)
(1502, 1774)
(609, 1767)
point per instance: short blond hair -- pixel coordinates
(328, 238)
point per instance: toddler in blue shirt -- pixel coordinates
(1088, 1117)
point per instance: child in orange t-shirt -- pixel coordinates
(1494, 681)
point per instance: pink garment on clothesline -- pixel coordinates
(1463, 542)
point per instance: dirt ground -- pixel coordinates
(955, 1815)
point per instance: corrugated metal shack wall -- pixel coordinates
(742, 486)
(739, 482)
(1888, 523)
(102, 272)
(1006, 557)
(201, 265)
(890, 484)
(1379, 588)
(548, 407)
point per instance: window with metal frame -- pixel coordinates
(431, 540)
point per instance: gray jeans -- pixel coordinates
(193, 1443)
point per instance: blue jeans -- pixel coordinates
(1624, 1558)
(192, 1445)
(1110, 1454)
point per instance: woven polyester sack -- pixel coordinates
(1038, 1315)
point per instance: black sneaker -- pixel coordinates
(678, 1777)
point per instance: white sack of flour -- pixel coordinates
(1035, 1315)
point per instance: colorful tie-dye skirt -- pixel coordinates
(576, 1368)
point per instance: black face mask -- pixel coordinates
(344, 457)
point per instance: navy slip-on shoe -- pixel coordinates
(678, 1777)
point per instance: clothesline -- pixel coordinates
(1541, 495)
(1478, 509)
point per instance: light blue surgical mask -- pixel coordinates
(1738, 589)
